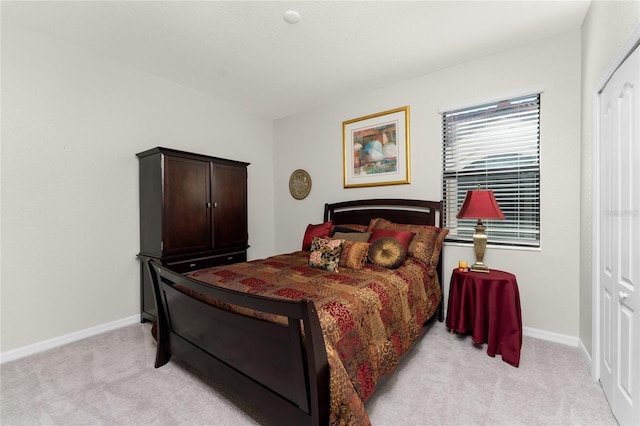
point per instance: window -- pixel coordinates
(496, 146)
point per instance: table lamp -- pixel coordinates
(480, 204)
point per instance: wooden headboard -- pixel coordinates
(418, 212)
(415, 212)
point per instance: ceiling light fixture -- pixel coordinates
(292, 17)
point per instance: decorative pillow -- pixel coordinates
(320, 230)
(350, 227)
(403, 237)
(325, 254)
(387, 252)
(354, 254)
(353, 236)
(426, 243)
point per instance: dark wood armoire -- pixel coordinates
(193, 214)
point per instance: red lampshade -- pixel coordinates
(480, 204)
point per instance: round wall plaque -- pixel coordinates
(299, 184)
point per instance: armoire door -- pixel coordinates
(229, 206)
(186, 218)
(619, 235)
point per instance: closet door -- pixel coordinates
(186, 222)
(229, 206)
(619, 224)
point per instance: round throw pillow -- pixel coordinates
(387, 252)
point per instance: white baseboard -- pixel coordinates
(551, 336)
(585, 355)
(68, 338)
(560, 338)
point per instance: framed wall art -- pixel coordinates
(376, 149)
(299, 184)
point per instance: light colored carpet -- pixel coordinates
(445, 380)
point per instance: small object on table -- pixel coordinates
(487, 306)
(463, 266)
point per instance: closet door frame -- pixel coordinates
(631, 44)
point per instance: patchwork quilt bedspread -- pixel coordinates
(369, 317)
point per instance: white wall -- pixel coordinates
(606, 28)
(72, 123)
(548, 277)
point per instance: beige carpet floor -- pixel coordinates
(444, 380)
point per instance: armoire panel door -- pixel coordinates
(229, 206)
(186, 218)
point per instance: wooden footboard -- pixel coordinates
(279, 368)
(280, 373)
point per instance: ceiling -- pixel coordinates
(246, 54)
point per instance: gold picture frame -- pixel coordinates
(376, 149)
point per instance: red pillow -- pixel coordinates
(321, 230)
(403, 237)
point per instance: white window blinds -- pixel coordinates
(496, 146)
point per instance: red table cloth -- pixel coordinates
(487, 306)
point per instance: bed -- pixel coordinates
(302, 344)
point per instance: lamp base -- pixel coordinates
(479, 246)
(480, 267)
